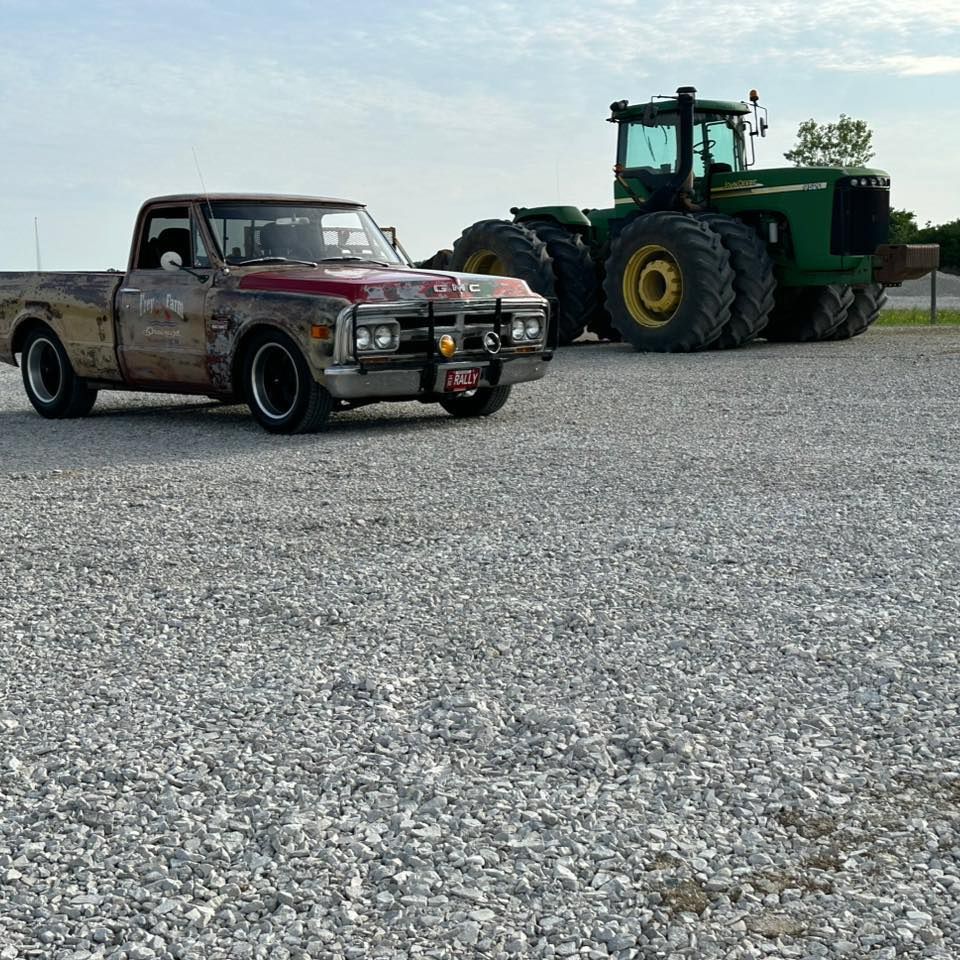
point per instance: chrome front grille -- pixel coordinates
(465, 320)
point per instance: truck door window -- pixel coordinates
(166, 230)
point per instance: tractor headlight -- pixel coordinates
(385, 337)
(531, 327)
(518, 329)
(364, 338)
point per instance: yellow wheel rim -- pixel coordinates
(652, 286)
(485, 261)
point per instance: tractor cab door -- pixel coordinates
(647, 155)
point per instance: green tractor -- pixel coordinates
(700, 250)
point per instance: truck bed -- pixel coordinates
(79, 307)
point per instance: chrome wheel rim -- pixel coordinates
(274, 381)
(44, 370)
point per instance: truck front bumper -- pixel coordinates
(370, 382)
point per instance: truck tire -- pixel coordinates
(574, 275)
(805, 314)
(753, 281)
(504, 249)
(53, 388)
(280, 390)
(478, 403)
(866, 307)
(669, 283)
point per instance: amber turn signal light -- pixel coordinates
(319, 332)
(447, 345)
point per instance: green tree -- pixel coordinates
(903, 226)
(948, 236)
(846, 143)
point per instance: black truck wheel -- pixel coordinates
(280, 390)
(476, 403)
(575, 278)
(669, 283)
(505, 249)
(866, 307)
(53, 388)
(804, 314)
(753, 281)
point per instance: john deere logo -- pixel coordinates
(491, 342)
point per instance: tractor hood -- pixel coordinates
(363, 283)
(776, 180)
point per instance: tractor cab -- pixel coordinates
(663, 143)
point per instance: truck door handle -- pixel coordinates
(129, 290)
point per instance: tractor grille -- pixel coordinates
(861, 216)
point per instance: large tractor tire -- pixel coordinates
(575, 278)
(504, 249)
(601, 324)
(866, 307)
(439, 261)
(753, 283)
(804, 314)
(669, 283)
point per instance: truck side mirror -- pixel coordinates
(171, 261)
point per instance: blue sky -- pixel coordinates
(434, 114)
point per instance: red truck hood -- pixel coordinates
(359, 283)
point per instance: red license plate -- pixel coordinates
(457, 380)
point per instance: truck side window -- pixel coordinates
(166, 230)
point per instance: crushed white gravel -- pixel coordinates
(659, 662)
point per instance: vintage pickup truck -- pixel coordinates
(298, 305)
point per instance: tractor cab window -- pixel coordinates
(653, 149)
(717, 139)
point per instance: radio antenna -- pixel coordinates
(36, 238)
(206, 196)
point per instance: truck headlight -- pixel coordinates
(518, 329)
(364, 338)
(385, 337)
(531, 327)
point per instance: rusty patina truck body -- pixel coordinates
(297, 305)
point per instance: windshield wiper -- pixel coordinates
(244, 263)
(378, 263)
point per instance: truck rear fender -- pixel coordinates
(32, 316)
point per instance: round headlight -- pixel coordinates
(447, 345)
(517, 329)
(383, 337)
(531, 327)
(854, 182)
(363, 338)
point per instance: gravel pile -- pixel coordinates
(660, 662)
(916, 293)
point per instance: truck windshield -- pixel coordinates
(249, 231)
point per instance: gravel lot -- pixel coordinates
(661, 661)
